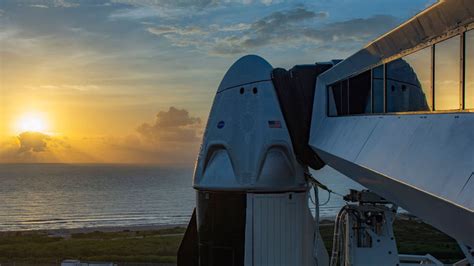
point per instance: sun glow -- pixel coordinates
(32, 122)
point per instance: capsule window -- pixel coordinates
(254, 90)
(242, 90)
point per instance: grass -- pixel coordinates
(160, 246)
(126, 246)
(414, 237)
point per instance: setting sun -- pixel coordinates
(32, 122)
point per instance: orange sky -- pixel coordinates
(133, 81)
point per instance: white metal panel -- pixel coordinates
(249, 229)
(415, 160)
(282, 232)
(250, 68)
(219, 172)
(239, 124)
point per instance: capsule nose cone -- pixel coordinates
(248, 69)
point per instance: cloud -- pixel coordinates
(163, 30)
(180, 36)
(240, 37)
(229, 28)
(284, 29)
(33, 147)
(276, 26)
(33, 142)
(138, 13)
(37, 142)
(187, 3)
(174, 9)
(295, 27)
(168, 3)
(358, 29)
(169, 9)
(174, 125)
(172, 138)
(50, 3)
(40, 6)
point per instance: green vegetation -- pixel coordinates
(413, 237)
(125, 246)
(160, 246)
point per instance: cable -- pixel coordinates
(323, 204)
(315, 182)
(316, 223)
(338, 250)
(311, 199)
(338, 242)
(327, 201)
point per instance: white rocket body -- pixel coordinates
(252, 197)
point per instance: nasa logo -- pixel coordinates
(220, 124)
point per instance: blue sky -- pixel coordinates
(118, 63)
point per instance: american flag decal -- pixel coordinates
(274, 124)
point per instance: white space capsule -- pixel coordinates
(252, 196)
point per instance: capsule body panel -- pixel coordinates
(251, 193)
(246, 144)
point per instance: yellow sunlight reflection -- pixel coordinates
(31, 121)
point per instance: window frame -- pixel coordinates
(383, 89)
(459, 33)
(461, 69)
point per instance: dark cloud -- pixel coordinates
(174, 125)
(33, 147)
(37, 142)
(240, 37)
(297, 27)
(278, 26)
(358, 29)
(33, 142)
(287, 28)
(279, 20)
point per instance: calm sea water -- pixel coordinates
(56, 196)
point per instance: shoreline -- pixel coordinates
(67, 232)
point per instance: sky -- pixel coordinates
(132, 81)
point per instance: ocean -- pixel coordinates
(66, 196)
